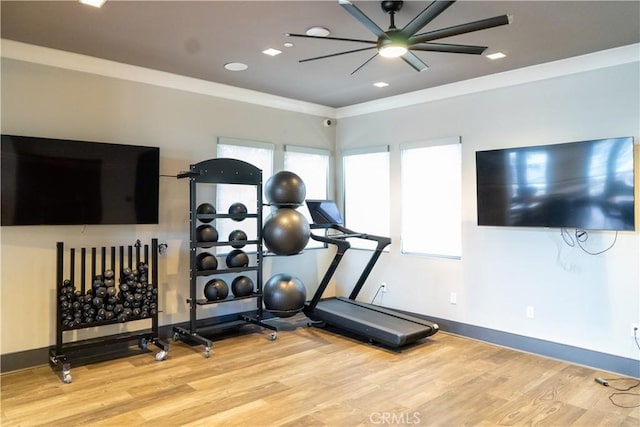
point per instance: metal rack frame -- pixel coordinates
(64, 352)
(222, 171)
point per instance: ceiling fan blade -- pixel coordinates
(361, 17)
(365, 63)
(336, 54)
(469, 27)
(414, 61)
(330, 38)
(449, 48)
(427, 15)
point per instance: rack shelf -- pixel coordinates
(222, 171)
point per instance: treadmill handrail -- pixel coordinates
(343, 245)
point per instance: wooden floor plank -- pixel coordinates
(311, 377)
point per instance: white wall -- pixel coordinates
(579, 300)
(45, 101)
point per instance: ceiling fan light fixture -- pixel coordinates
(392, 50)
(318, 31)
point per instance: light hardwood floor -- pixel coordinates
(316, 378)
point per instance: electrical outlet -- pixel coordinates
(453, 298)
(530, 312)
(635, 330)
(383, 287)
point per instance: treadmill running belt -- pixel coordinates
(380, 324)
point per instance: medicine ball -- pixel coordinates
(206, 209)
(206, 233)
(238, 210)
(206, 261)
(286, 232)
(285, 188)
(237, 258)
(216, 289)
(284, 295)
(242, 286)
(237, 235)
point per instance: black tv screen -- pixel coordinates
(49, 181)
(585, 185)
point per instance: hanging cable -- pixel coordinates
(582, 236)
(567, 237)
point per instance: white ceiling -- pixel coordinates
(196, 39)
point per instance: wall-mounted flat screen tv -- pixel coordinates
(585, 185)
(49, 181)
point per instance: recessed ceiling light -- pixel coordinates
(235, 66)
(497, 55)
(288, 44)
(94, 3)
(381, 84)
(272, 52)
(318, 32)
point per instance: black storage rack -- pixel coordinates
(84, 351)
(222, 171)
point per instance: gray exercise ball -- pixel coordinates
(286, 232)
(285, 188)
(284, 295)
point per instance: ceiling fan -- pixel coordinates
(396, 42)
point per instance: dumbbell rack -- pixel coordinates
(222, 171)
(85, 351)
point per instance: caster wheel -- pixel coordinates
(274, 336)
(176, 336)
(207, 352)
(67, 378)
(161, 355)
(143, 343)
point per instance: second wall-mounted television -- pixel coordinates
(49, 181)
(585, 185)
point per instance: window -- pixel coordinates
(431, 185)
(259, 154)
(366, 193)
(312, 165)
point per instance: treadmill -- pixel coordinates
(377, 324)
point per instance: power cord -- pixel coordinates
(582, 236)
(377, 292)
(567, 237)
(621, 391)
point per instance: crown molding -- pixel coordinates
(84, 63)
(103, 67)
(578, 64)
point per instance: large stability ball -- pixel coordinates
(285, 188)
(284, 295)
(286, 232)
(216, 289)
(242, 286)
